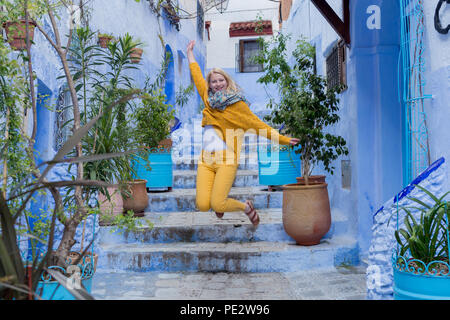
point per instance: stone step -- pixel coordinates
(246, 162)
(184, 199)
(183, 179)
(206, 227)
(258, 256)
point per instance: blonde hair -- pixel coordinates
(232, 86)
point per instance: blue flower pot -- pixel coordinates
(49, 289)
(410, 286)
(278, 165)
(158, 171)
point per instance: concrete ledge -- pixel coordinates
(229, 257)
(185, 179)
(184, 199)
(206, 227)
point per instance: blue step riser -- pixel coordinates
(222, 234)
(191, 165)
(285, 261)
(169, 203)
(188, 182)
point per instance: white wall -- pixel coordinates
(221, 48)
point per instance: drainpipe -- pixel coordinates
(373, 68)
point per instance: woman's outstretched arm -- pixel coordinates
(196, 73)
(190, 51)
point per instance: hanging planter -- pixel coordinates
(171, 14)
(136, 54)
(104, 39)
(16, 33)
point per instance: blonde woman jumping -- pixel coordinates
(226, 114)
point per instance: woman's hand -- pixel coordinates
(191, 45)
(190, 51)
(294, 141)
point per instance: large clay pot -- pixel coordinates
(306, 212)
(138, 199)
(110, 208)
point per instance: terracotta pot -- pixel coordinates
(138, 200)
(110, 208)
(312, 179)
(166, 143)
(306, 212)
(103, 41)
(16, 33)
(136, 54)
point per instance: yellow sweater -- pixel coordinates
(236, 116)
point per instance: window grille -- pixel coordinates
(246, 50)
(200, 20)
(63, 119)
(336, 66)
(416, 150)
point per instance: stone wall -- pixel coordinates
(383, 245)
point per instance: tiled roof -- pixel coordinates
(247, 28)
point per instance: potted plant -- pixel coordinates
(72, 207)
(19, 23)
(136, 54)
(104, 39)
(306, 108)
(152, 131)
(16, 33)
(112, 135)
(171, 13)
(421, 260)
(277, 164)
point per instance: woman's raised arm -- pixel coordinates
(190, 51)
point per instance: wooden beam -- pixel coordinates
(342, 28)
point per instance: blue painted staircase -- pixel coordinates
(184, 239)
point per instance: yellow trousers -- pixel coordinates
(214, 181)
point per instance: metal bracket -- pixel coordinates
(341, 27)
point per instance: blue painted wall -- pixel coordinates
(117, 17)
(374, 53)
(370, 111)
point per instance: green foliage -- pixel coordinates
(153, 119)
(306, 107)
(152, 116)
(426, 238)
(128, 223)
(183, 95)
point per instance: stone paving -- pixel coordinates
(343, 283)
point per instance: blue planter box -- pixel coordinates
(410, 286)
(278, 165)
(160, 173)
(51, 291)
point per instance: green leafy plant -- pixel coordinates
(306, 106)
(19, 279)
(425, 238)
(153, 119)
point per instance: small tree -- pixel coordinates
(306, 106)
